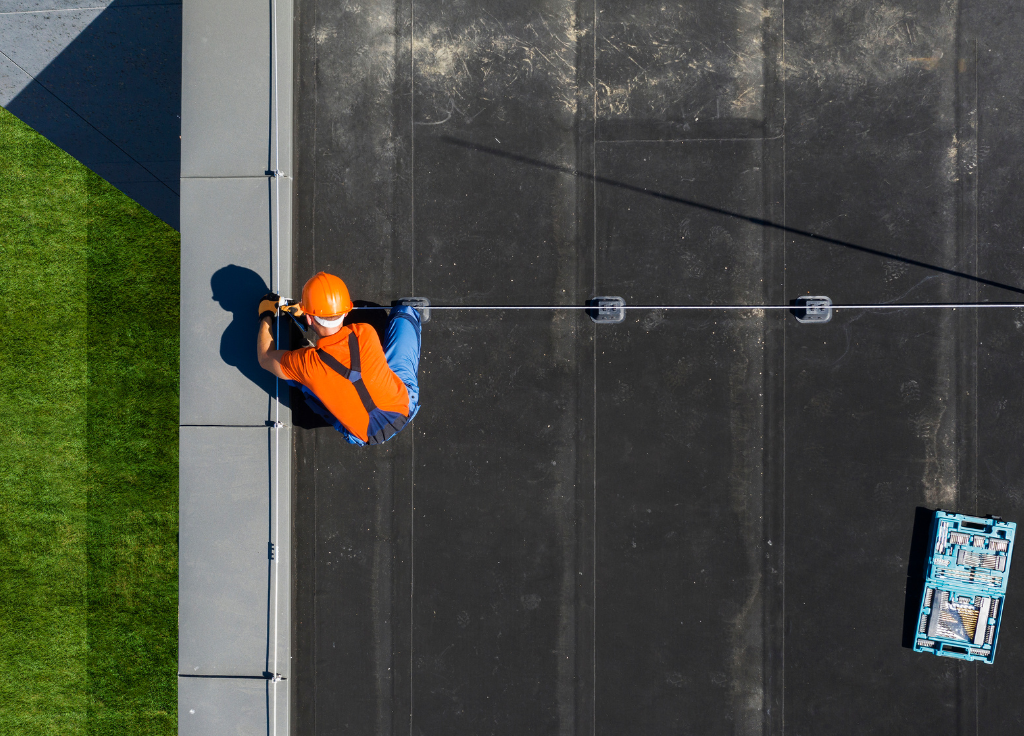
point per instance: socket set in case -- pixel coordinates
(965, 585)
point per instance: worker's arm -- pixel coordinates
(269, 358)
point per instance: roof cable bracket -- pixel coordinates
(812, 310)
(606, 309)
(419, 303)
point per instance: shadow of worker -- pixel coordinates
(238, 291)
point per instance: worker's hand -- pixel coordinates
(269, 304)
(292, 308)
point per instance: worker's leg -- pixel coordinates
(402, 350)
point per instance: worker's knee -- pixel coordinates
(406, 313)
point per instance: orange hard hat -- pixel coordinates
(325, 295)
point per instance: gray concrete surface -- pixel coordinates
(234, 582)
(235, 445)
(226, 89)
(231, 707)
(228, 259)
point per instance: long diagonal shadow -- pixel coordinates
(720, 211)
(112, 97)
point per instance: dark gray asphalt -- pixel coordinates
(690, 522)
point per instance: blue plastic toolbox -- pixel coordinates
(965, 585)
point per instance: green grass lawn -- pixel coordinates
(89, 450)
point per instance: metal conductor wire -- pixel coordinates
(728, 307)
(276, 484)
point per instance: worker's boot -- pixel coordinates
(420, 303)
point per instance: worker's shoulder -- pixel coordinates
(297, 356)
(295, 363)
(300, 353)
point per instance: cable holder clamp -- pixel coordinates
(605, 310)
(813, 310)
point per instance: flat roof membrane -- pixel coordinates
(690, 521)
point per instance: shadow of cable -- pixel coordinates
(526, 160)
(112, 98)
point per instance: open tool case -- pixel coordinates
(965, 584)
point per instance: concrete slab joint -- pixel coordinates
(235, 441)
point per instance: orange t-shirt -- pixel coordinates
(336, 392)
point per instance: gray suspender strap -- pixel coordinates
(352, 374)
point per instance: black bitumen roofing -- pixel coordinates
(691, 522)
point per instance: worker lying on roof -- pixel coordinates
(367, 391)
